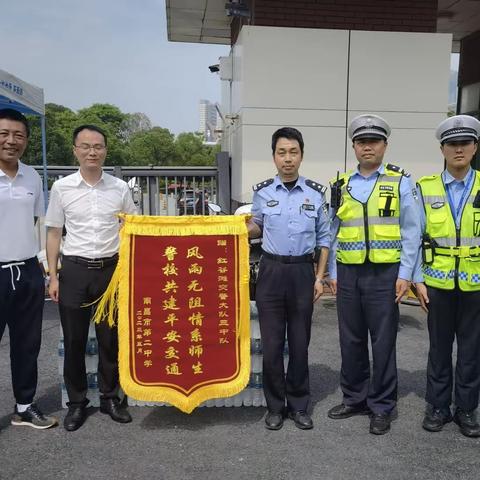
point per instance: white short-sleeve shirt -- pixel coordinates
(89, 213)
(21, 200)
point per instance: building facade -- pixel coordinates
(315, 64)
(208, 121)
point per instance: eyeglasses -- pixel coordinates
(85, 147)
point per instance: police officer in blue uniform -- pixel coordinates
(450, 218)
(291, 212)
(376, 228)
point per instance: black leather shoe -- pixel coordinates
(75, 418)
(436, 418)
(274, 421)
(345, 411)
(302, 419)
(380, 423)
(112, 407)
(467, 421)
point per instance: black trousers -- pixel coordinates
(366, 304)
(21, 308)
(453, 314)
(81, 285)
(285, 303)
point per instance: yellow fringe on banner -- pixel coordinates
(117, 299)
(187, 225)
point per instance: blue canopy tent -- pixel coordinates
(28, 99)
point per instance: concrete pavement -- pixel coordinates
(232, 443)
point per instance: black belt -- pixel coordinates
(95, 263)
(308, 258)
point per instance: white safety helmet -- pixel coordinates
(244, 209)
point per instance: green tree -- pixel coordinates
(131, 138)
(59, 123)
(153, 147)
(104, 115)
(134, 123)
(191, 150)
(33, 154)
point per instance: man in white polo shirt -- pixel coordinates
(86, 203)
(22, 289)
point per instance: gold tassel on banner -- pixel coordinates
(107, 304)
(107, 308)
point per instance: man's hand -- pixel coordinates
(422, 296)
(401, 289)
(254, 230)
(54, 237)
(332, 283)
(53, 288)
(317, 290)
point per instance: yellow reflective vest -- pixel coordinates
(456, 253)
(370, 230)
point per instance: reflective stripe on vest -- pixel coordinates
(371, 230)
(456, 255)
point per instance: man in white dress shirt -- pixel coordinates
(87, 204)
(22, 288)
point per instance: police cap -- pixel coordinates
(368, 126)
(460, 128)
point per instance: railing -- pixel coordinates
(166, 190)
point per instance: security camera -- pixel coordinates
(237, 9)
(214, 68)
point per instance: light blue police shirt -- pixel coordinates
(410, 230)
(293, 222)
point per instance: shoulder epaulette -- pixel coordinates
(394, 168)
(263, 184)
(316, 186)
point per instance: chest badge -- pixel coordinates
(272, 203)
(437, 205)
(308, 206)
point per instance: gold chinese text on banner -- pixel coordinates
(183, 308)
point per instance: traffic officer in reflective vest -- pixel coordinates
(451, 271)
(291, 212)
(376, 222)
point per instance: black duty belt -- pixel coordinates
(308, 258)
(93, 263)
